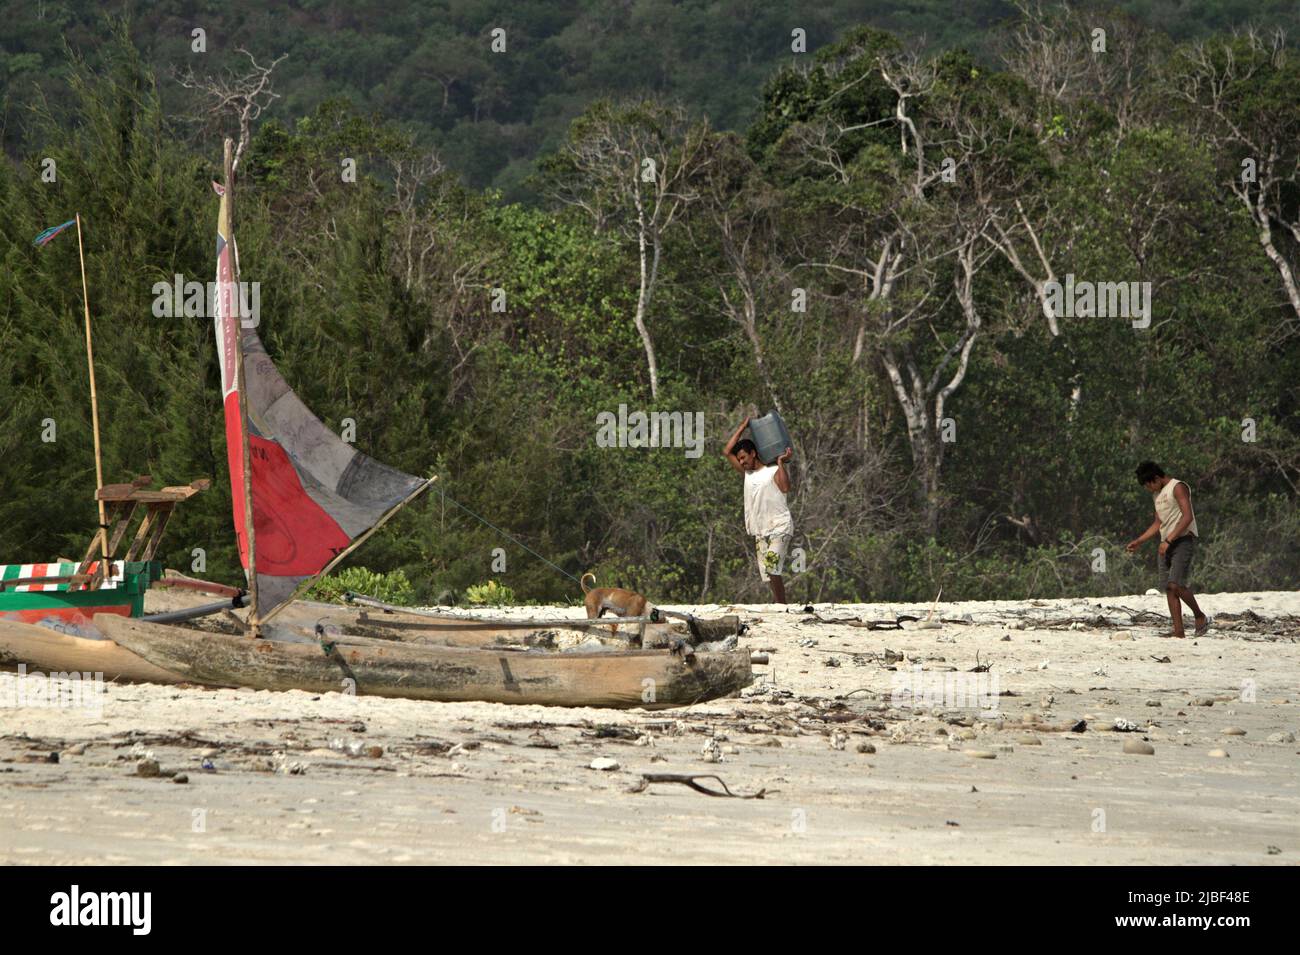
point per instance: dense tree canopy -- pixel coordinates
(867, 237)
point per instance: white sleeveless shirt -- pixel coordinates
(766, 513)
(1170, 513)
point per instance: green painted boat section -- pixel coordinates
(130, 591)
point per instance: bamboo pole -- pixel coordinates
(254, 624)
(94, 416)
(361, 539)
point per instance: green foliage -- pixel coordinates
(390, 587)
(377, 307)
(491, 594)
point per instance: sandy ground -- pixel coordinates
(488, 783)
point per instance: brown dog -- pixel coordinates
(620, 602)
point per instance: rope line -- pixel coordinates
(509, 537)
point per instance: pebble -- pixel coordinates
(208, 753)
(148, 767)
(1281, 738)
(1203, 701)
(1139, 748)
(1153, 703)
(180, 778)
(1029, 741)
(1233, 731)
(374, 752)
(966, 734)
(866, 748)
(604, 764)
(979, 754)
(1217, 753)
(78, 749)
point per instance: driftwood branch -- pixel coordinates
(688, 779)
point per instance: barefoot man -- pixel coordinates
(1176, 524)
(767, 516)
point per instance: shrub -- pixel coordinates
(392, 587)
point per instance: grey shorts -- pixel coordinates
(1176, 562)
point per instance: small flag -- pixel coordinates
(218, 188)
(45, 237)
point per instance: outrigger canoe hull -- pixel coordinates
(651, 679)
(42, 650)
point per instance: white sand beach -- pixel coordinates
(850, 770)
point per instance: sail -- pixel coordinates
(312, 493)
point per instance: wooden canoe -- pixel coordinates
(300, 618)
(652, 679)
(48, 651)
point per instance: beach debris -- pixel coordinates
(77, 749)
(1079, 727)
(1043, 665)
(148, 768)
(839, 740)
(611, 731)
(807, 642)
(866, 748)
(1281, 737)
(603, 764)
(1153, 703)
(1137, 747)
(1162, 659)
(1123, 725)
(1273, 851)
(711, 751)
(979, 753)
(689, 779)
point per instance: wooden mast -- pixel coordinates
(236, 309)
(104, 571)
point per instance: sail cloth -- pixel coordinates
(312, 492)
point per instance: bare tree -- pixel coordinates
(1242, 95)
(632, 168)
(233, 95)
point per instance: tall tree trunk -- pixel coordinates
(649, 274)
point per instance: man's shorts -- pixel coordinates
(771, 555)
(1176, 562)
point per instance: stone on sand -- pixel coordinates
(1139, 747)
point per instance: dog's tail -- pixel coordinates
(585, 588)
